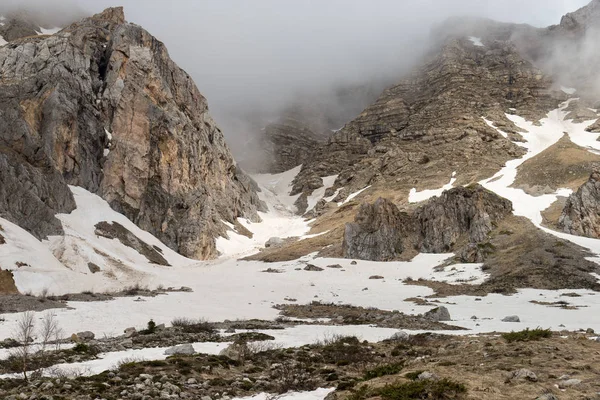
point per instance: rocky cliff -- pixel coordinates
(101, 105)
(460, 219)
(581, 214)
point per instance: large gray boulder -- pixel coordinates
(186, 349)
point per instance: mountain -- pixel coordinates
(101, 106)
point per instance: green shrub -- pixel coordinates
(527, 335)
(427, 389)
(383, 370)
(188, 325)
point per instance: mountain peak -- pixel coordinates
(112, 14)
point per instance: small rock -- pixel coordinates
(130, 332)
(376, 277)
(589, 331)
(180, 349)
(511, 318)
(474, 317)
(353, 263)
(569, 383)
(524, 374)
(273, 242)
(85, 336)
(205, 398)
(337, 266)
(311, 267)
(440, 313)
(424, 376)
(400, 336)
(192, 381)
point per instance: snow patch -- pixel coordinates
(2, 41)
(318, 194)
(318, 394)
(568, 90)
(48, 31)
(415, 197)
(491, 125)
(476, 41)
(353, 195)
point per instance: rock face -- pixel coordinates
(581, 215)
(462, 216)
(101, 105)
(470, 211)
(377, 233)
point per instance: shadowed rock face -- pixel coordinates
(581, 215)
(101, 105)
(460, 216)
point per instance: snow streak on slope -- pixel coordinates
(538, 139)
(415, 197)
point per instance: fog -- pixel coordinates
(252, 59)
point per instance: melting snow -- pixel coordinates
(353, 195)
(2, 41)
(476, 41)
(491, 124)
(318, 394)
(318, 194)
(415, 197)
(568, 90)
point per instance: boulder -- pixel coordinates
(130, 332)
(311, 267)
(186, 349)
(273, 242)
(85, 336)
(438, 314)
(400, 336)
(511, 318)
(524, 374)
(569, 383)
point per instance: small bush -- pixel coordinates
(383, 370)
(193, 325)
(413, 375)
(527, 335)
(150, 329)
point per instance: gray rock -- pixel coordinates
(440, 313)
(130, 332)
(426, 375)
(511, 318)
(569, 383)
(311, 267)
(336, 266)
(273, 242)
(524, 374)
(400, 336)
(376, 277)
(85, 336)
(547, 396)
(186, 349)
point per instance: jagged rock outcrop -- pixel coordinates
(581, 214)
(470, 212)
(378, 232)
(101, 105)
(460, 218)
(16, 28)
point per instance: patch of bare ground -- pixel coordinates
(519, 255)
(551, 214)
(7, 283)
(352, 315)
(562, 165)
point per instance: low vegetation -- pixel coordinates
(527, 335)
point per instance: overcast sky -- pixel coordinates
(251, 53)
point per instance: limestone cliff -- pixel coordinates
(101, 105)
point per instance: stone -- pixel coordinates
(547, 396)
(85, 336)
(524, 374)
(376, 277)
(130, 332)
(569, 383)
(438, 314)
(273, 242)
(336, 266)
(400, 336)
(186, 349)
(311, 267)
(511, 318)
(426, 375)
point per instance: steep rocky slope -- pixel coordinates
(102, 106)
(581, 214)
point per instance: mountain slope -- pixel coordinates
(102, 106)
